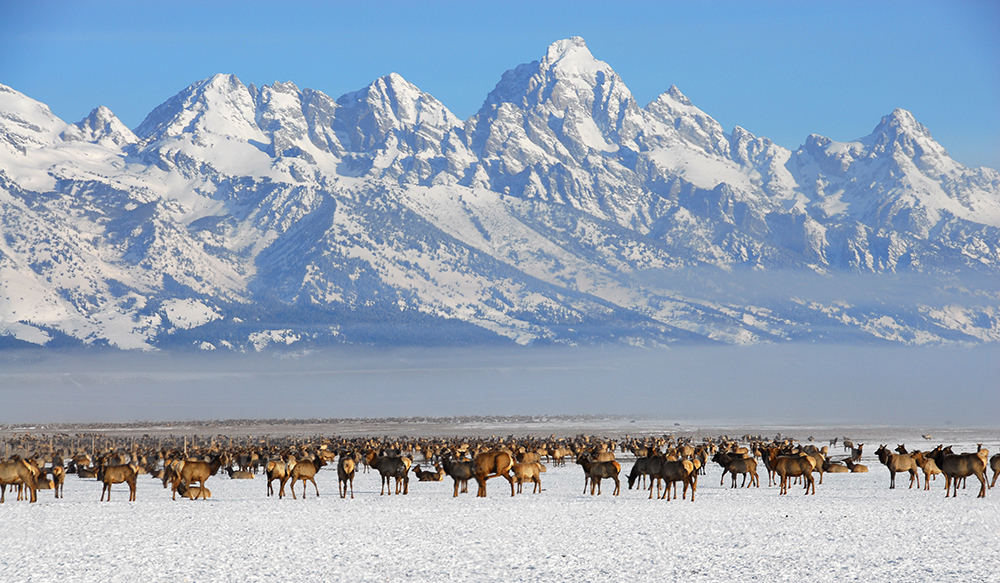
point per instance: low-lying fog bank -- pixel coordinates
(826, 385)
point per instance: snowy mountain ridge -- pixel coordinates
(239, 217)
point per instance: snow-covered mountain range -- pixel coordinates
(241, 217)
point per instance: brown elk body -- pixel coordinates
(898, 463)
(58, 479)
(832, 467)
(190, 471)
(961, 465)
(194, 492)
(18, 472)
(855, 468)
(530, 471)
(239, 474)
(792, 466)
(276, 470)
(305, 471)
(117, 475)
(595, 471)
(346, 466)
(928, 465)
(671, 472)
(491, 464)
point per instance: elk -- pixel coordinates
(305, 470)
(640, 469)
(793, 466)
(189, 471)
(346, 466)
(898, 463)
(856, 452)
(558, 455)
(59, 480)
(673, 471)
(832, 467)
(995, 466)
(529, 471)
(961, 465)
(18, 472)
(745, 466)
(491, 464)
(736, 464)
(276, 470)
(392, 467)
(459, 470)
(855, 468)
(424, 476)
(928, 465)
(193, 492)
(239, 474)
(595, 471)
(117, 475)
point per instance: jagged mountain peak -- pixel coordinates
(220, 104)
(682, 117)
(571, 56)
(902, 120)
(395, 97)
(675, 94)
(100, 127)
(567, 76)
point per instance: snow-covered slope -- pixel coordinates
(240, 217)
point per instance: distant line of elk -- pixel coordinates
(660, 462)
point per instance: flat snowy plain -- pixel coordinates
(854, 528)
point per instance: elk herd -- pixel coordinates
(658, 463)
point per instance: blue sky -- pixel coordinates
(779, 69)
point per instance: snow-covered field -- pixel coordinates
(854, 528)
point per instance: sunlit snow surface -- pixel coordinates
(854, 528)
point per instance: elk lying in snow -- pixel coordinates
(855, 468)
(117, 475)
(529, 471)
(18, 472)
(190, 471)
(305, 470)
(595, 471)
(491, 464)
(898, 463)
(194, 492)
(832, 467)
(239, 474)
(424, 476)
